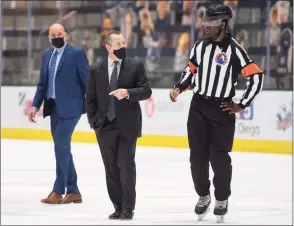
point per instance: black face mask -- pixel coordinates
(120, 53)
(57, 42)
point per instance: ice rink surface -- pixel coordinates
(261, 187)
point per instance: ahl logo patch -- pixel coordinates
(221, 59)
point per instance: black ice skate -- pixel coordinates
(202, 205)
(220, 210)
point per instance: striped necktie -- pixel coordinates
(112, 86)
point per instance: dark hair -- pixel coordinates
(108, 36)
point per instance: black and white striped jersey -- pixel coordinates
(214, 67)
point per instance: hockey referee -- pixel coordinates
(212, 73)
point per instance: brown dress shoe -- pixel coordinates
(53, 198)
(72, 198)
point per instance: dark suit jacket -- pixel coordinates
(132, 77)
(70, 82)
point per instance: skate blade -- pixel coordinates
(220, 219)
(201, 216)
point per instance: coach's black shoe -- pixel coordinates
(116, 215)
(127, 215)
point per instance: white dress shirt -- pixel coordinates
(111, 67)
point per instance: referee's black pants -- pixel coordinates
(210, 134)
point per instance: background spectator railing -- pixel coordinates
(160, 33)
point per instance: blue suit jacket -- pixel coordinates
(70, 82)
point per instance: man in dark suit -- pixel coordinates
(62, 87)
(115, 88)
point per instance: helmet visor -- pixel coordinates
(211, 22)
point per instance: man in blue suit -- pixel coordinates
(62, 87)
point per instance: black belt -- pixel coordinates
(201, 97)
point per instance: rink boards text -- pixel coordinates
(265, 126)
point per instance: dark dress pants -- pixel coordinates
(118, 155)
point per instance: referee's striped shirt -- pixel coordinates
(213, 70)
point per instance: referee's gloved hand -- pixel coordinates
(231, 107)
(174, 93)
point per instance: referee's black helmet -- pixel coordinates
(218, 12)
(216, 15)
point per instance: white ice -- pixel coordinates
(261, 187)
